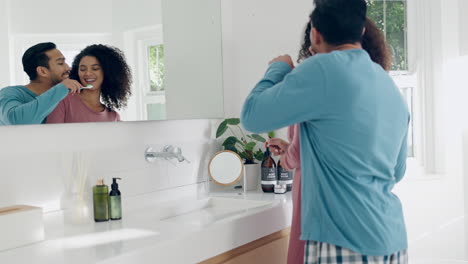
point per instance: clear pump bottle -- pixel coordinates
(285, 177)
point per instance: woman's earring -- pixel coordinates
(312, 52)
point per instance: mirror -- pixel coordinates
(226, 168)
(173, 48)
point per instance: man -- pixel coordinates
(353, 132)
(48, 72)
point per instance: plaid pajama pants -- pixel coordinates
(324, 253)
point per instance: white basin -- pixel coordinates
(209, 210)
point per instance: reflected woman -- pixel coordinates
(104, 68)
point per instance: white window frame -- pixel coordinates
(149, 97)
(423, 50)
(136, 43)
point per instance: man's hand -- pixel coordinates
(72, 85)
(278, 146)
(284, 58)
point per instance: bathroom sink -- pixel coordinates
(209, 210)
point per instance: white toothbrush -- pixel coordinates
(89, 86)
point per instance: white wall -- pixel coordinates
(463, 22)
(127, 15)
(61, 16)
(451, 90)
(254, 32)
(193, 62)
(4, 44)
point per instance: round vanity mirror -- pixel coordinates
(226, 167)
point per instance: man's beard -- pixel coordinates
(56, 80)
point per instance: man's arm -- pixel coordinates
(400, 168)
(14, 112)
(285, 97)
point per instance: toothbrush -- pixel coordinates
(89, 86)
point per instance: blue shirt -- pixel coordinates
(20, 106)
(353, 131)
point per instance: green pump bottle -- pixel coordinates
(100, 201)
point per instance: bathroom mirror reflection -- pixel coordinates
(173, 48)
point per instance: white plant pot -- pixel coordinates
(251, 177)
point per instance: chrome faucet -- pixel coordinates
(168, 152)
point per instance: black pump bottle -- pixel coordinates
(268, 172)
(115, 202)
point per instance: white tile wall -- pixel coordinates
(40, 165)
(4, 44)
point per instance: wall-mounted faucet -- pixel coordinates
(168, 152)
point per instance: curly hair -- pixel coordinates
(304, 52)
(373, 42)
(116, 87)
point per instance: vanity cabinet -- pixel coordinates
(271, 249)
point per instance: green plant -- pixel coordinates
(245, 145)
(390, 17)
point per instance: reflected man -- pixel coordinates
(32, 103)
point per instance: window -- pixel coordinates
(391, 17)
(154, 96)
(156, 67)
(145, 47)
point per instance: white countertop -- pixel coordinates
(142, 237)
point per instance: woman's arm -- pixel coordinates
(291, 159)
(290, 152)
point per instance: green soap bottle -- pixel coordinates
(100, 201)
(115, 202)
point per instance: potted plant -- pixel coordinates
(245, 145)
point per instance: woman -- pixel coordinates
(104, 68)
(374, 43)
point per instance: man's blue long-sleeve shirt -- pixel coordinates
(20, 106)
(353, 131)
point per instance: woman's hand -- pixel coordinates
(278, 146)
(284, 58)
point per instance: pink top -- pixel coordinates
(292, 160)
(73, 110)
